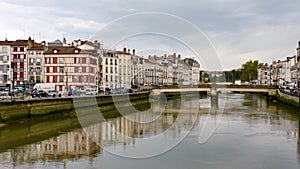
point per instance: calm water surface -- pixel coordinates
(243, 131)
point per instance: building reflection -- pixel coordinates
(88, 142)
(298, 141)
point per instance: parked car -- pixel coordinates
(39, 93)
(42, 93)
(73, 93)
(34, 93)
(54, 93)
(117, 91)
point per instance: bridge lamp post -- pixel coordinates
(270, 75)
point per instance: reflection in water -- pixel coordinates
(298, 142)
(260, 120)
(87, 142)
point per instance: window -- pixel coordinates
(47, 60)
(32, 79)
(111, 62)
(111, 78)
(76, 69)
(22, 65)
(106, 78)
(31, 61)
(61, 60)
(111, 69)
(22, 57)
(5, 68)
(4, 49)
(116, 70)
(61, 78)
(106, 61)
(5, 58)
(38, 61)
(54, 69)
(83, 79)
(54, 79)
(31, 70)
(38, 70)
(76, 79)
(61, 70)
(38, 79)
(116, 62)
(92, 79)
(54, 60)
(83, 60)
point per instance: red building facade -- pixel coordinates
(70, 67)
(19, 61)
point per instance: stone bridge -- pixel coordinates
(213, 90)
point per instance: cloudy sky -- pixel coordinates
(238, 30)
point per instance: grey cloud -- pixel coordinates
(236, 27)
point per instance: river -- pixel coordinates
(240, 131)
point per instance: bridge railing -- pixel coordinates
(209, 86)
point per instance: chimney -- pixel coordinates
(128, 50)
(133, 52)
(124, 49)
(30, 42)
(64, 41)
(179, 57)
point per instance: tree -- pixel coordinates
(249, 70)
(233, 75)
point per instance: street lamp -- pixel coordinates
(13, 80)
(67, 80)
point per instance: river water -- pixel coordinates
(240, 131)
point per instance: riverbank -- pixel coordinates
(21, 111)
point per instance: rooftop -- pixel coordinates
(20, 42)
(62, 50)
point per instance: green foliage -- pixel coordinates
(249, 70)
(233, 75)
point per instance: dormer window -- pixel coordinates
(76, 51)
(54, 51)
